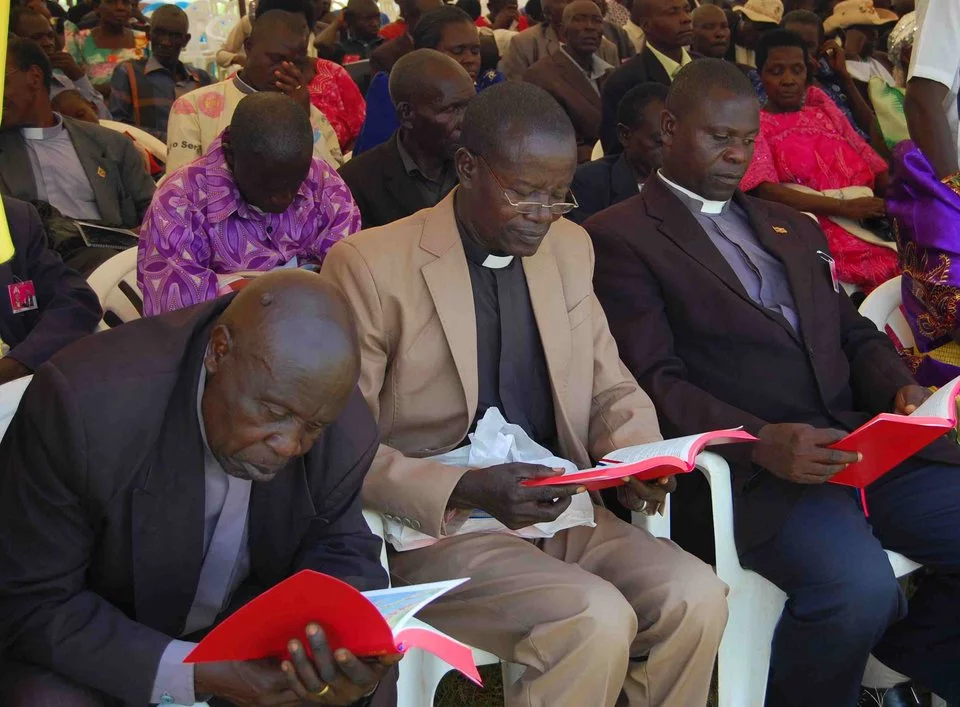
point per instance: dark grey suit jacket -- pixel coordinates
(102, 505)
(120, 182)
(600, 184)
(381, 187)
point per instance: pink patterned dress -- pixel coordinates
(817, 147)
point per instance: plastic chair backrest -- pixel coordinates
(10, 394)
(153, 145)
(882, 307)
(115, 283)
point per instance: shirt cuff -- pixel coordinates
(174, 682)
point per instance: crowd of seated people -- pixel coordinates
(615, 243)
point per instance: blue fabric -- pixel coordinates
(843, 599)
(829, 82)
(381, 121)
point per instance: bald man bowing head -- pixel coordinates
(160, 475)
(485, 301)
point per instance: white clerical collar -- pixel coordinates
(43, 133)
(496, 262)
(706, 206)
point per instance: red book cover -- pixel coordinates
(647, 461)
(367, 624)
(889, 439)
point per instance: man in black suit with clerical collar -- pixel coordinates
(414, 169)
(725, 310)
(668, 28)
(159, 475)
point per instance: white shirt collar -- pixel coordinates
(43, 133)
(706, 206)
(598, 66)
(496, 262)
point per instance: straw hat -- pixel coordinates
(764, 11)
(851, 13)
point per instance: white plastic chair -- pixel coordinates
(421, 672)
(115, 283)
(882, 307)
(150, 143)
(755, 604)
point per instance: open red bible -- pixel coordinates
(368, 624)
(647, 461)
(889, 439)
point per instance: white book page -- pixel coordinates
(398, 604)
(680, 447)
(941, 404)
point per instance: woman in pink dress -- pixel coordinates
(806, 141)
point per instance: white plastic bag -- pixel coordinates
(495, 441)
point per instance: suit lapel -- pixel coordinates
(280, 513)
(397, 183)
(168, 511)
(16, 177)
(95, 166)
(550, 311)
(448, 280)
(789, 250)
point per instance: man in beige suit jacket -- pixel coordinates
(486, 299)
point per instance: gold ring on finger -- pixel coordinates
(321, 693)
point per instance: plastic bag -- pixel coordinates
(496, 441)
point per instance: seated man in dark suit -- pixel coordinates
(49, 305)
(159, 475)
(86, 172)
(609, 180)
(414, 169)
(669, 31)
(574, 75)
(724, 309)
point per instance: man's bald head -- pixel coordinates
(579, 7)
(418, 74)
(708, 13)
(282, 362)
(274, 22)
(582, 27)
(171, 14)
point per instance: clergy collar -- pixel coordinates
(44, 133)
(242, 85)
(479, 256)
(706, 205)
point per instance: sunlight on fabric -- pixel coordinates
(6, 245)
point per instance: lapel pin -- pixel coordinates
(101, 172)
(779, 229)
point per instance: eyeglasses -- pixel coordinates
(532, 207)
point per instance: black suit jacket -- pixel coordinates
(381, 187)
(711, 358)
(102, 505)
(640, 69)
(67, 309)
(599, 184)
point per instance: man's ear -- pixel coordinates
(623, 134)
(466, 165)
(227, 147)
(405, 115)
(186, 40)
(668, 127)
(221, 343)
(246, 46)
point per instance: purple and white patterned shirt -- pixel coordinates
(198, 227)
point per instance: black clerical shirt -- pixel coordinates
(511, 368)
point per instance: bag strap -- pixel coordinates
(134, 93)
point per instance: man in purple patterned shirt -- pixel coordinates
(256, 201)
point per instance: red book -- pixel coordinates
(647, 461)
(368, 624)
(889, 439)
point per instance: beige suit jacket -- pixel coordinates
(534, 43)
(409, 288)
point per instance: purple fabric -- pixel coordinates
(198, 227)
(927, 220)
